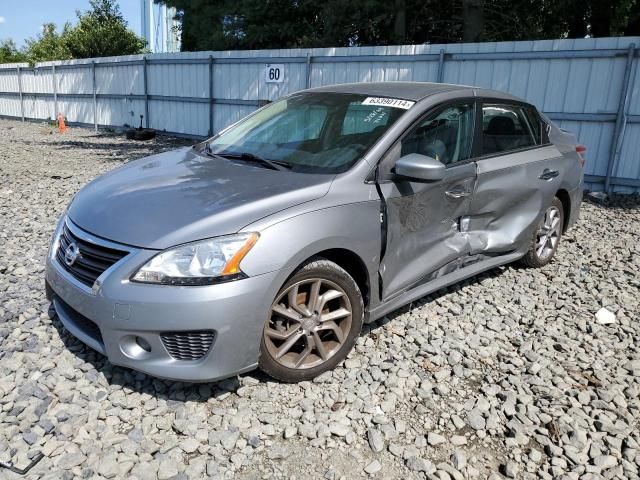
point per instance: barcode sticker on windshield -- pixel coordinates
(388, 102)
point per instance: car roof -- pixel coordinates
(414, 91)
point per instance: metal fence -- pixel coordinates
(588, 86)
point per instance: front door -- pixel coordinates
(423, 219)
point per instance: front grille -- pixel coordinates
(188, 345)
(92, 260)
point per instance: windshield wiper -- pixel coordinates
(252, 157)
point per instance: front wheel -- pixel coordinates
(313, 324)
(546, 237)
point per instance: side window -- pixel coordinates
(535, 123)
(506, 128)
(362, 119)
(447, 136)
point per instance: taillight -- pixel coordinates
(581, 150)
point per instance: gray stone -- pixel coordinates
(376, 440)
(373, 468)
(435, 439)
(459, 459)
(476, 420)
(418, 464)
(338, 429)
(510, 469)
(605, 461)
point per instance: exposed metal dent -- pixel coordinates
(432, 286)
(510, 197)
(423, 228)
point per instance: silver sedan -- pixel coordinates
(270, 244)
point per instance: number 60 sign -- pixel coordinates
(274, 73)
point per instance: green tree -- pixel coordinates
(247, 24)
(101, 32)
(9, 53)
(49, 45)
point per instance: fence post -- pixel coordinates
(55, 91)
(620, 118)
(210, 95)
(95, 98)
(308, 71)
(146, 92)
(441, 66)
(20, 92)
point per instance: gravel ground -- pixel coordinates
(507, 374)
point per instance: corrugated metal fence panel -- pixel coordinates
(74, 80)
(123, 79)
(10, 106)
(180, 117)
(628, 163)
(9, 88)
(584, 87)
(118, 111)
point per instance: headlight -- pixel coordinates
(199, 263)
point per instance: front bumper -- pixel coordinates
(110, 317)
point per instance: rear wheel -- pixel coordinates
(546, 237)
(313, 323)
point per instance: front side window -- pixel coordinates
(446, 136)
(506, 128)
(310, 132)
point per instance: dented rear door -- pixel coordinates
(513, 189)
(511, 197)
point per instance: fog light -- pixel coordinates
(143, 344)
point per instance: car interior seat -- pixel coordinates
(500, 135)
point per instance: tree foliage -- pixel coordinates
(50, 45)
(99, 32)
(102, 32)
(9, 53)
(253, 24)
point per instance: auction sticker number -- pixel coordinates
(274, 73)
(389, 102)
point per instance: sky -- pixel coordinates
(21, 19)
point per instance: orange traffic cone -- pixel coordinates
(61, 126)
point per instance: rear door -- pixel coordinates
(519, 172)
(423, 218)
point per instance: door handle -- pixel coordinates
(549, 174)
(458, 191)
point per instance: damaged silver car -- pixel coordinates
(270, 244)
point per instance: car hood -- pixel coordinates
(181, 196)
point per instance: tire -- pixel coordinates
(140, 133)
(551, 226)
(289, 349)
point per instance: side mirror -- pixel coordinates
(421, 167)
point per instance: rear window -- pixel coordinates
(507, 128)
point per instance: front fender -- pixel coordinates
(285, 245)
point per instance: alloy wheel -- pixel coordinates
(548, 234)
(309, 322)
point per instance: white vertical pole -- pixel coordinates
(55, 92)
(20, 92)
(95, 98)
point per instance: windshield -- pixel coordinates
(311, 132)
